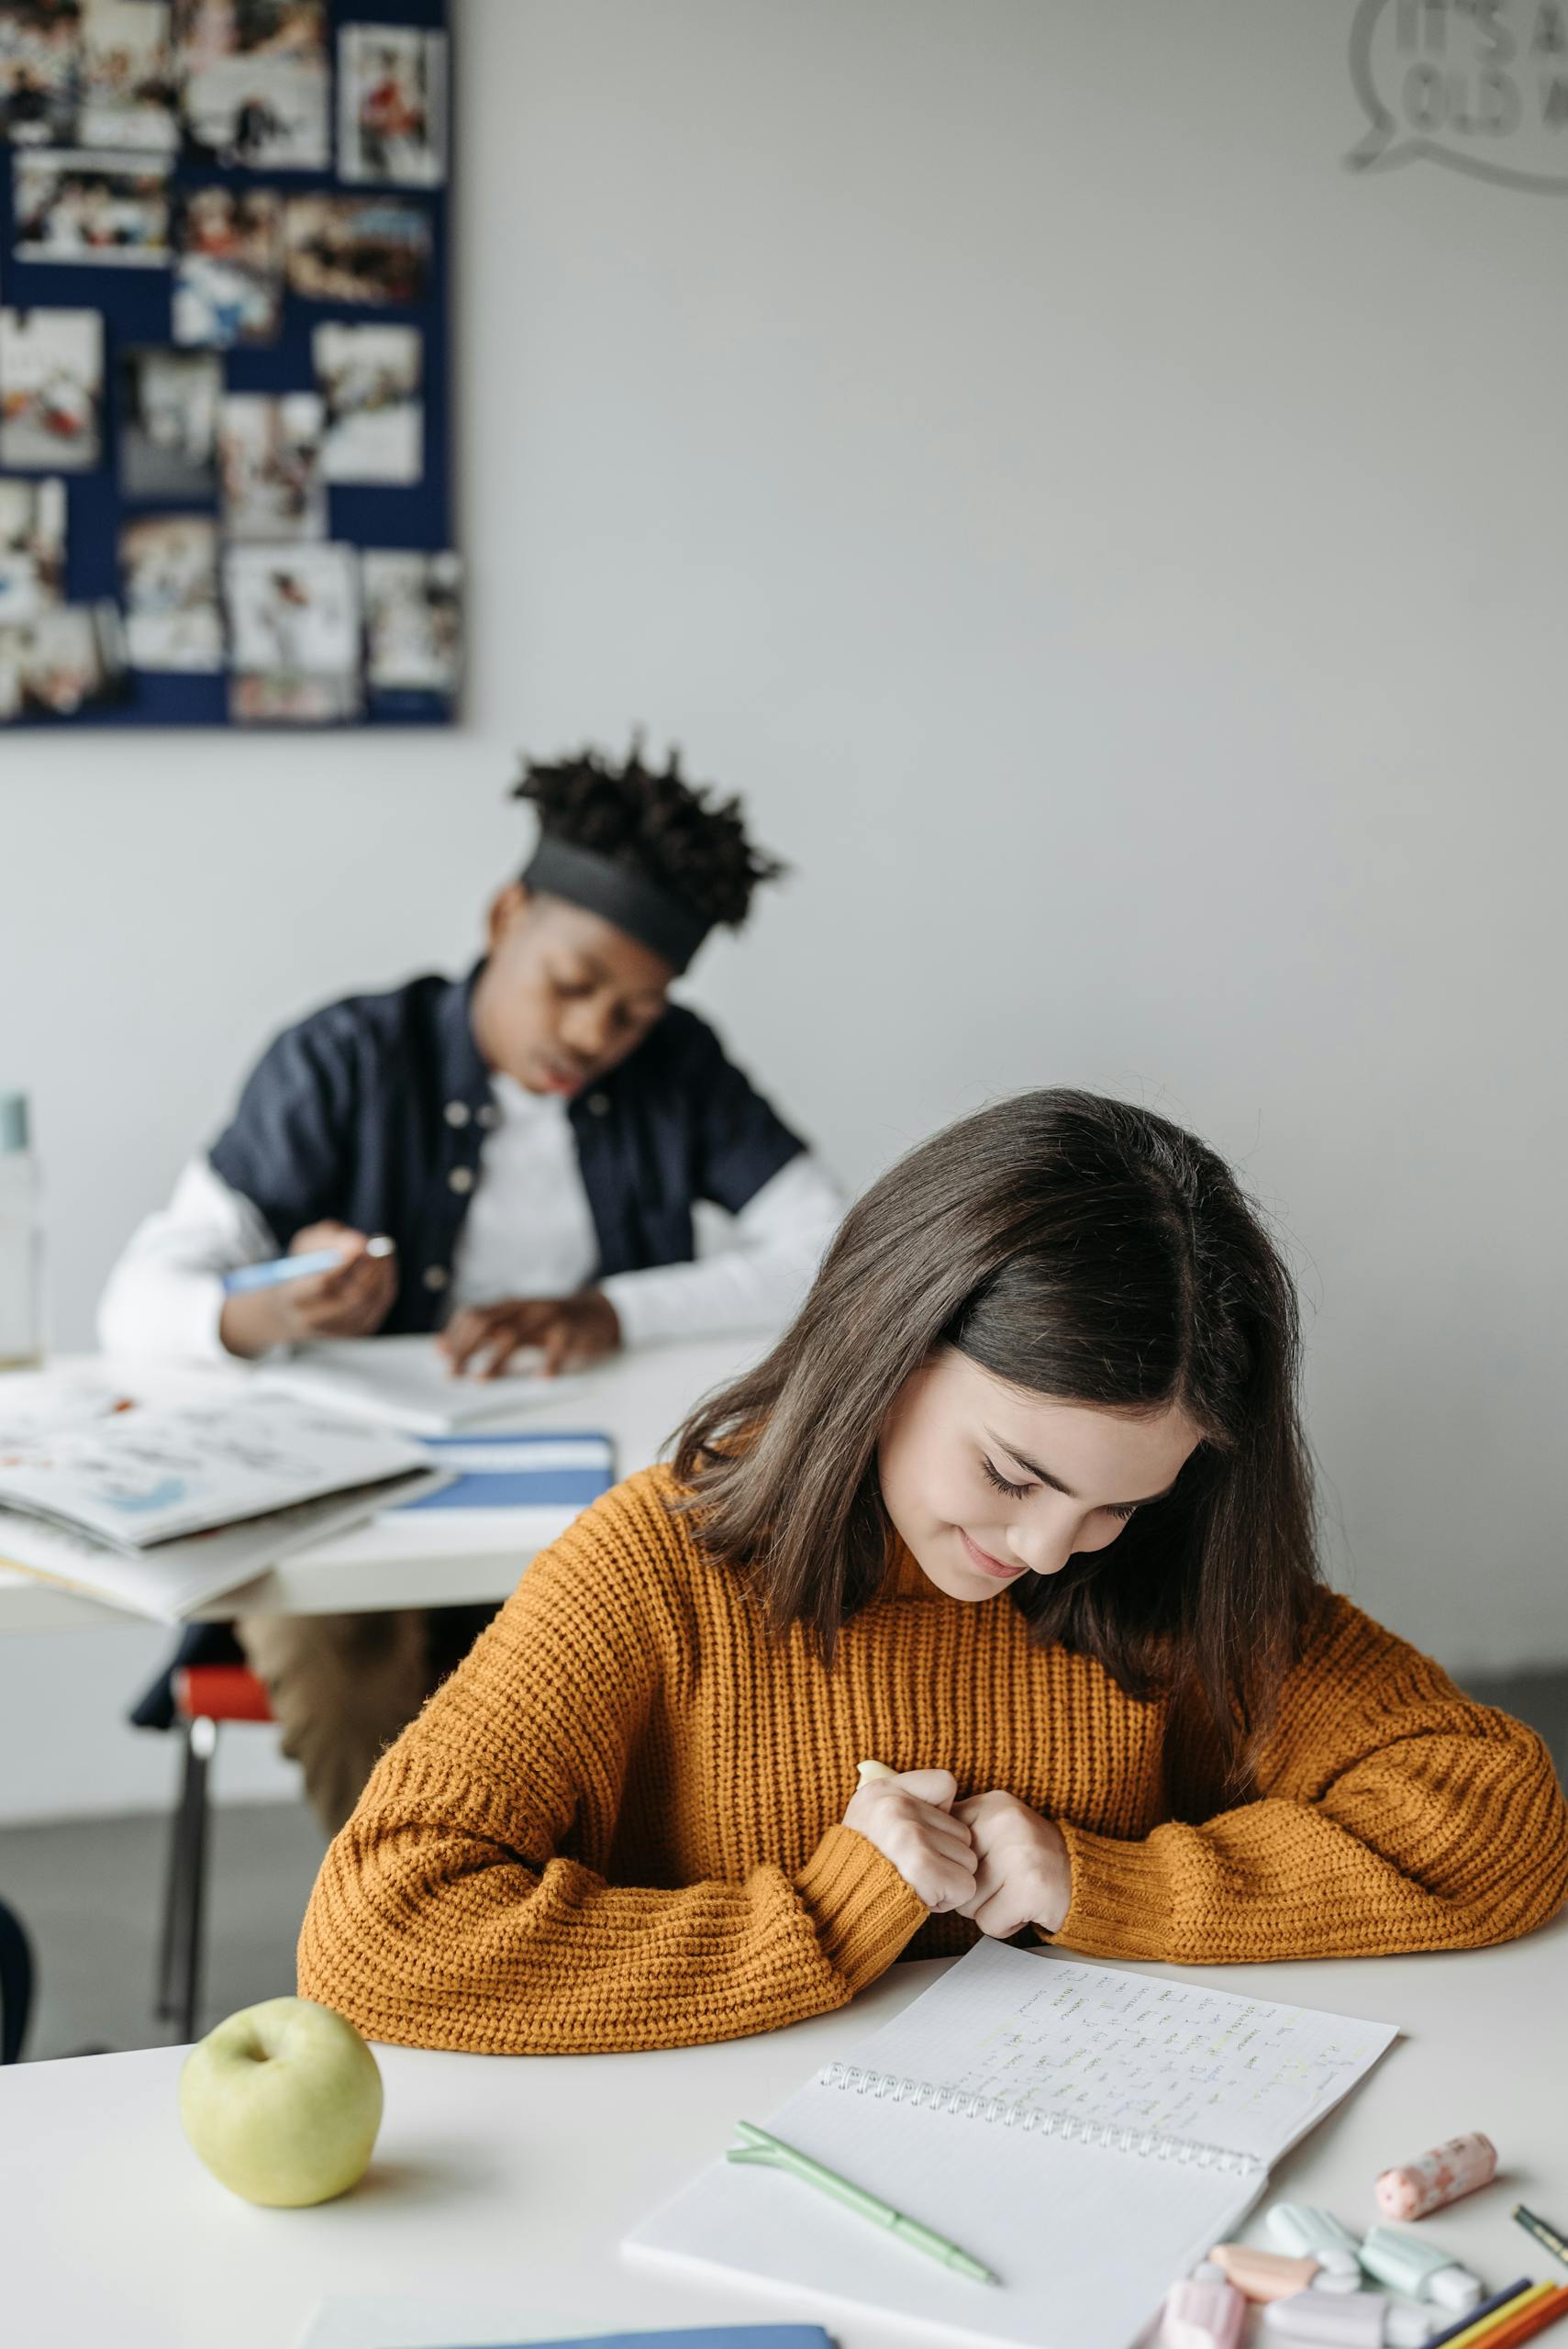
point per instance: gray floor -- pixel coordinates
(88, 1892)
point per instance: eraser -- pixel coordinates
(1457, 2166)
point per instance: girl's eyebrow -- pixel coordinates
(1044, 1476)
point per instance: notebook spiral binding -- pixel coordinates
(1147, 2143)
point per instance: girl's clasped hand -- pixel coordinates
(990, 1858)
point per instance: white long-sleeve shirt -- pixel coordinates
(529, 1233)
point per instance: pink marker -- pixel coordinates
(1202, 2316)
(1456, 2167)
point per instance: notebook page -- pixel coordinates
(1086, 2046)
(403, 1382)
(1082, 2242)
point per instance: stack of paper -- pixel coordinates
(159, 1509)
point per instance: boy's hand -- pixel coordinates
(569, 1332)
(911, 1820)
(1024, 1877)
(352, 1300)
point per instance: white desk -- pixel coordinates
(638, 1399)
(506, 2184)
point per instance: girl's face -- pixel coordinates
(986, 1482)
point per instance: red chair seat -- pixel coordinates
(219, 1692)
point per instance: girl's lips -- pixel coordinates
(985, 1564)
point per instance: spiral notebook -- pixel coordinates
(1086, 2133)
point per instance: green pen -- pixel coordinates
(1543, 2232)
(756, 2145)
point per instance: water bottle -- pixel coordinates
(21, 1239)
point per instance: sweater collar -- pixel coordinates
(904, 1576)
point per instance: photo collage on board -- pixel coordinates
(222, 487)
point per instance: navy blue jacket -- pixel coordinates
(374, 1111)
(367, 1111)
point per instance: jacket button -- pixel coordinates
(456, 1113)
(461, 1179)
(489, 1117)
(599, 1103)
(435, 1276)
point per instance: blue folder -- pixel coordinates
(513, 1472)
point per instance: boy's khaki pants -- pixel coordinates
(342, 1687)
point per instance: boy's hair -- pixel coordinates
(1077, 1248)
(677, 835)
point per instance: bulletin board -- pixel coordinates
(225, 364)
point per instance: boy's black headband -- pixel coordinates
(667, 925)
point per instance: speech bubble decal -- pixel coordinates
(1479, 85)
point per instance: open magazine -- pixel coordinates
(162, 1508)
(166, 1471)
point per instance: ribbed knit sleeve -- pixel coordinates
(466, 1903)
(1394, 1814)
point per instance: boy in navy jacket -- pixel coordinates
(533, 1138)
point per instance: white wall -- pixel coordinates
(1118, 553)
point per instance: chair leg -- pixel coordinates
(172, 1890)
(179, 1959)
(16, 1985)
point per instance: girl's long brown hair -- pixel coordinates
(1085, 1250)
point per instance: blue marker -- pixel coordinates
(295, 1268)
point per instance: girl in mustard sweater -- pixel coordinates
(1019, 1507)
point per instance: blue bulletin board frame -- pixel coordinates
(135, 306)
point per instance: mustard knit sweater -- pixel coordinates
(616, 1825)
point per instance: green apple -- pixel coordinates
(283, 2102)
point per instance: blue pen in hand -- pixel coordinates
(279, 1269)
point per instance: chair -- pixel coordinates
(206, 1695)
(16, 1985)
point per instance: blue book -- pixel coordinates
(374, 2324)
(511, 1472)
(706, 2336)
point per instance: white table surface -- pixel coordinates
(637, 1399)
(505, 2184)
